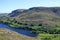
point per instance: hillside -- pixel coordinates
(6, 34)
(42, 21)
(47, 16)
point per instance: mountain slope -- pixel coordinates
(38, 15)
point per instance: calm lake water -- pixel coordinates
(21, 31)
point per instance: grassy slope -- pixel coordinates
(49, 36)
(6, 34)
(43, 16)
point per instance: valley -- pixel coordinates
(42, 21)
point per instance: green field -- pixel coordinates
(49, 36)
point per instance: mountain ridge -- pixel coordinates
(54, 9)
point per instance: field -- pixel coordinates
(49, 36)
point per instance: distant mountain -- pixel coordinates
(37, 15)
(3, 14)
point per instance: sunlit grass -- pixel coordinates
(49, 36)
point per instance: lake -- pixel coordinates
(21, 31)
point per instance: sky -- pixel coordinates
(6, 6)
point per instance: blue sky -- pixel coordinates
(7, 6)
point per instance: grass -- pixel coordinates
(49, 36)
(14, 25)
(35, 27)
(58, 38)
(58, 28)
